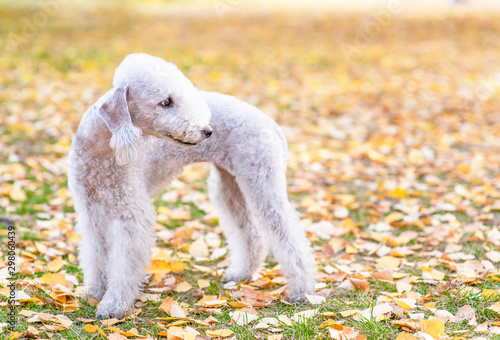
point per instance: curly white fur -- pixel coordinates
(115, 170)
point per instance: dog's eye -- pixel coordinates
(167, 102)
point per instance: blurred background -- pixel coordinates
(338, 76)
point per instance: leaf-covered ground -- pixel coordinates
(392, 123)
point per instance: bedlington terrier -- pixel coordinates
(136, 138)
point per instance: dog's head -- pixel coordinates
(153, 97)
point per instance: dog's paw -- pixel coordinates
(235, 276)
(111, 308)
(295, 297)
(298, 288)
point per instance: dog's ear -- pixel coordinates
(114, 112)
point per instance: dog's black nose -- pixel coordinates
(208, 131)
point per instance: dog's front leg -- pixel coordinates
(130, 241)
(93, 252)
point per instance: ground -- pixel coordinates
(392, 120)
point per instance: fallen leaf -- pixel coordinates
(315, 299)
(433, 327)
(359, 284)
(304, 315)
(93, 329)
(223, 333)
(405, 336)
(243, 318)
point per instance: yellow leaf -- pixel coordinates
(53, 279)
(349, 224)
(177, 267)
(388, 262)
(397, 193)
(110, 322)
(405, 336)
(159, 267)
(14, 335)
(350, 249)
(163, 211)
(26, 312)
(393, 217)
(188, 336)
(33, 331)
(238, 304)
(171, 307)
(433, 327)
(55, 265)
(431, 273)
(223, 333)
(206, 298)
(215, 303)
(429, 305)
(92, 329)
(17, 194)
(404, 305)
(182, 287)
(203, 284)
(495, 307)
(350, 312)
(166, 304)
(489, 293)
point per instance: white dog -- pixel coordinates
(139, 135)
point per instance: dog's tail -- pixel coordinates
(281, 135)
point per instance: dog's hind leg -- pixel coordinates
(130, 239)
(246, 243)
(267, 198)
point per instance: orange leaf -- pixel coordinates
(383, 275)
(359, 284)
